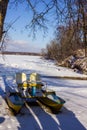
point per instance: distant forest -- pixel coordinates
(19, 53)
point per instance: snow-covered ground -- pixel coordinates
(73, 115)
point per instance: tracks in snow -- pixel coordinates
(75, 99)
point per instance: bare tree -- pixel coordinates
(3, 9)
(65, 11)
(39, 15)
(83, 8)
(77, 12)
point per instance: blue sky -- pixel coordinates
(19, 34)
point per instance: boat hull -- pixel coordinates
(55, 107)
(51, 100)
(14, 102)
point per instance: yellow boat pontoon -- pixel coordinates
(14, 101)
(51, 100)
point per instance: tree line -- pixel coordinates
(71, 35)
(66, 42)
(70, 16)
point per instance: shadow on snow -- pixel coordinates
(65, 120)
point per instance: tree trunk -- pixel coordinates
(3, 9)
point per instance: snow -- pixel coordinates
(73, 115)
